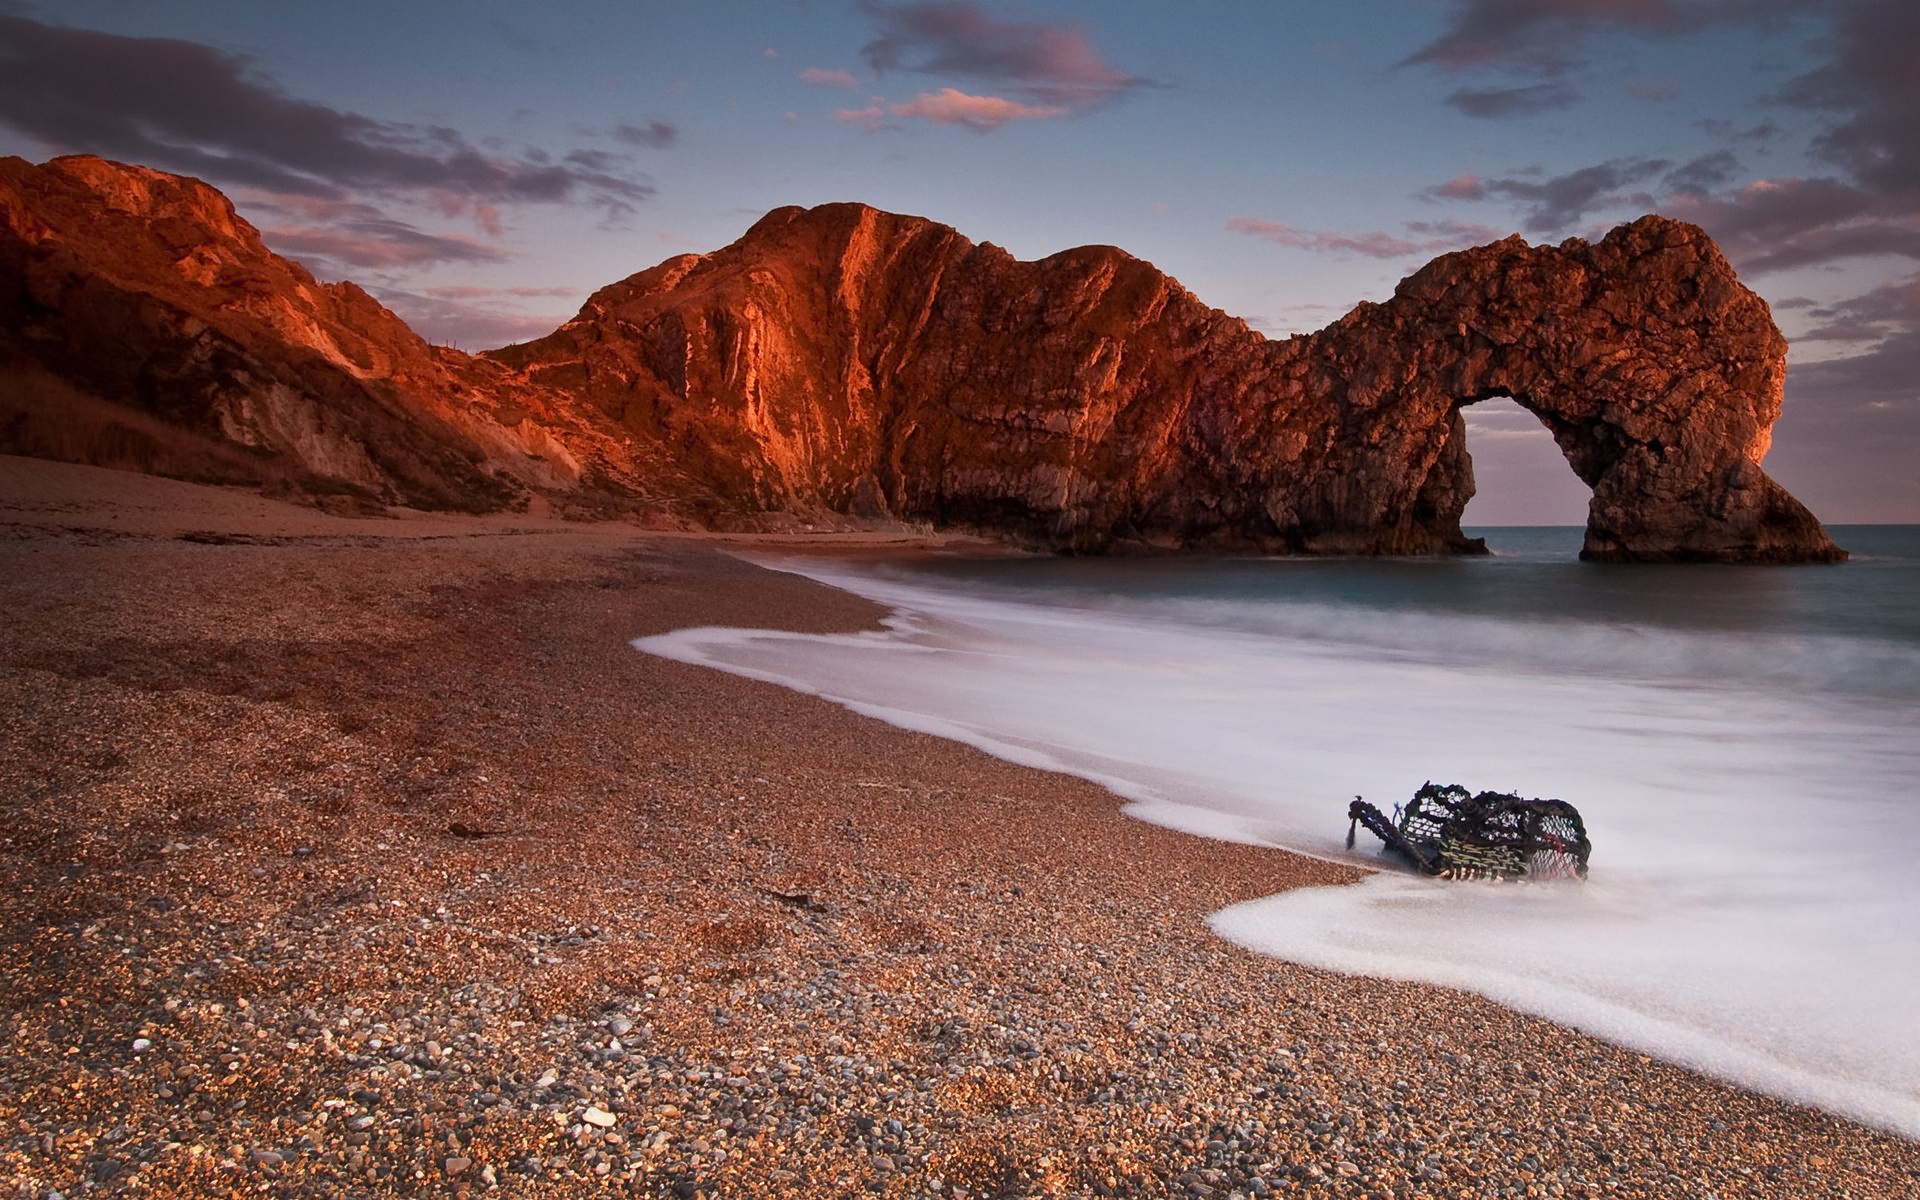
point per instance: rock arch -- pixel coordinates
(842, 358)
(1658, 374)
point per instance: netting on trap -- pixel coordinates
(1447, 832)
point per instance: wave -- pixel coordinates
(1746, 915)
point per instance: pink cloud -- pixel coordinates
(386, 244)
(873, 116)
(1374, 244)
(950, 106)
(330, 235)
(1048, 64)
(1433, 236)
(829, 77)
(1460, 187)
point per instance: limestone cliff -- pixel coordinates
(851, 359)
(841, 360)
(144, 324)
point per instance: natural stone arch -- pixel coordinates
(1658, 375)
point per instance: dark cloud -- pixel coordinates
(656, 134)
(1779, 224)
(1513, 101)
(1886, 312)
(1559, 202)
(591, 160)
(1886, 379)
(330, 236)
(1047, 65)
(1704, 174)
(1873, 90)
(1446, 235)
(1545, 36)
(189, 107)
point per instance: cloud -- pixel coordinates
(1705, 173)
(471, 322)
(379, 244)
(1559, 202)
(1460, 187)
(1556, 203)
(949, 106)
(1513, 101)
(1050, 66)
(1886, 379)
(1873, 92)
(185, 106)
(1888, 311)
(1447, 235)
(1779, 224)
(1544, 36)
(656, 134)
(332, 235)
(829, 77)
(1428, 237)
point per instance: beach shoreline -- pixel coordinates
(364, 856)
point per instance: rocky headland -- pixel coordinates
(843, 363)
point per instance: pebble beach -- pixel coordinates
(357, 856)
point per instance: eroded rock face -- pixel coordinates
(841, 360)
(143, 323)
(851, 359)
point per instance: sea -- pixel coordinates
(1743, 743)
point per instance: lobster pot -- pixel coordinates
(1445, 831)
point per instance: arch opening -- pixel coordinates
(1522, 478)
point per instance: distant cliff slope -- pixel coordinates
(143, 324)
(844, 362)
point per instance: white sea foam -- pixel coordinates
(1748, 913)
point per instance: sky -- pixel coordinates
(483, 166)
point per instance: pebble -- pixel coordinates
(596, 1115)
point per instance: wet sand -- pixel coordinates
(365, 857)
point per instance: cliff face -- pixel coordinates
(854, 360)
(842, 360)
(143, 323)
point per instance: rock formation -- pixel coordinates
(841, 360)
(144, 324)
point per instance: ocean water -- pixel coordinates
(1744, 744)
